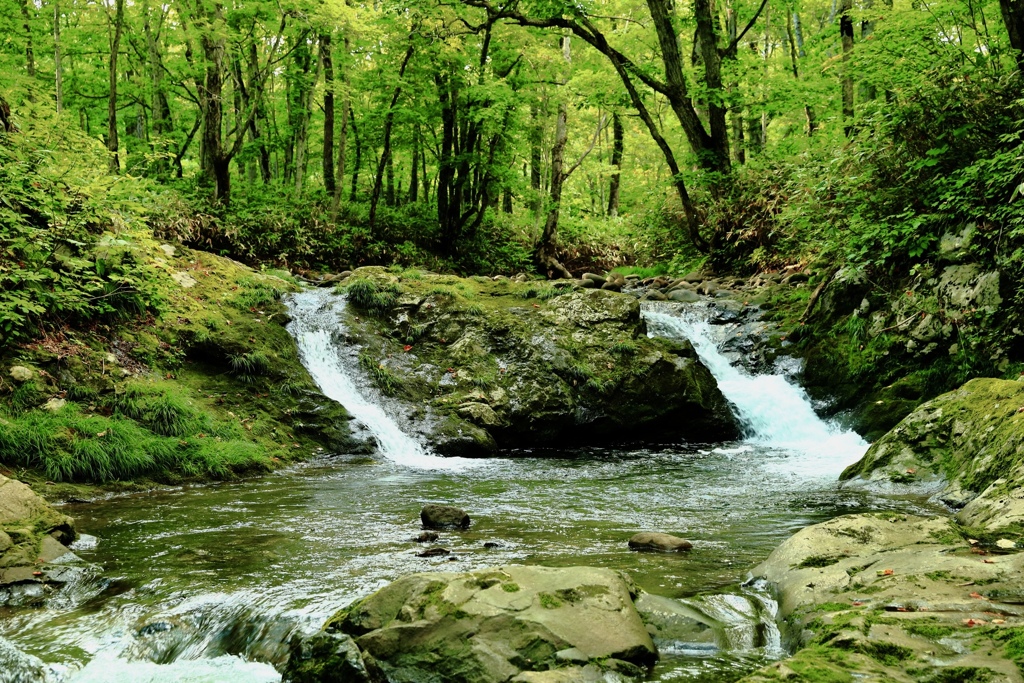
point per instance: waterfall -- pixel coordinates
(315, 326)
(772, 411)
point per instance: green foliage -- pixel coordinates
(67, 235)
(257, 293)
(70, 445)
(381, 376)
(371, 297)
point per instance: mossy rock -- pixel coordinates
(508, 364)
(491, 625)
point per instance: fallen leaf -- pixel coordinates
(407, 347)
(972, 541)
(999, 621)
(979, 551)
(886, 572)
(974, 622)
(911, 471)
(857, 603)
(989, 561)
(977, 596)
(101, 434)
(969, 583)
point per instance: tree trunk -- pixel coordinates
(793, 20)
(115, 47)
(618, 135)
(547, 246)
(385, 157)
(867, 27)
(58, 67)
(214, 169)
(536, 136)
(1013, 18)
(328, 157)
(30, 58)
(846, 32)
(342, 137)
(359, 156)
(414, 180)
(739, 153)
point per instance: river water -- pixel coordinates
(208, 583)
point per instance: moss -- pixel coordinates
(960, 674)
(510, 587)
(549, 601)
(819, 561)
(930, 630)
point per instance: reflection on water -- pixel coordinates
(207, 583)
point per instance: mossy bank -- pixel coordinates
(210, 386)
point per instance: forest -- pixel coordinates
(511, 341)
(481, 137)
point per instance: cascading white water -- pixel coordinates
(772, 411)
(316, 320)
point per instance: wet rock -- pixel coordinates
(496, 625)
(695, 277)
(491, 545)
(434, 552)
(954, 246)
(649, 540)
(684, 296)
(19, 373)
(653, 295)
(155, 627)
(427, 537)
(444, 517)
(595, 278)
(325, 657)
(832, 579)
(965, 446)
(588, 284)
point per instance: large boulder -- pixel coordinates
(494, 625)
(967, 446)
(496, 363)
(901, 598)
(33, 538)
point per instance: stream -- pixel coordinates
(208, 583)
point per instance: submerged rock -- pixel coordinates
(325, 657)
(651, 540)
(444, 517)
(496, 625)
(426, 537)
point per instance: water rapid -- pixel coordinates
(773, 412)
(316, 326)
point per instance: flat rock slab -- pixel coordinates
(492, 625)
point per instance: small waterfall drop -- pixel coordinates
(316, 318)
(772, 411)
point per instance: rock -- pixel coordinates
(525, 365)
(954, 246)
(653, 295)
(20, 373)
(843, 294)
(612, 286)
(491, 545)
(832, 579)
(695, 277)
(5, 542)
(595, 278)
(20, 506)
(492, 625)
(325, 657)
(1005, 544)
(434, 552)
(427, 537)
(54, 404)
(967, 287)
(708, 287)
(184, 280)
(168, 250)
(649, 540)
(965, 445)
(588, 284)
(684, 296)
(444, 517)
